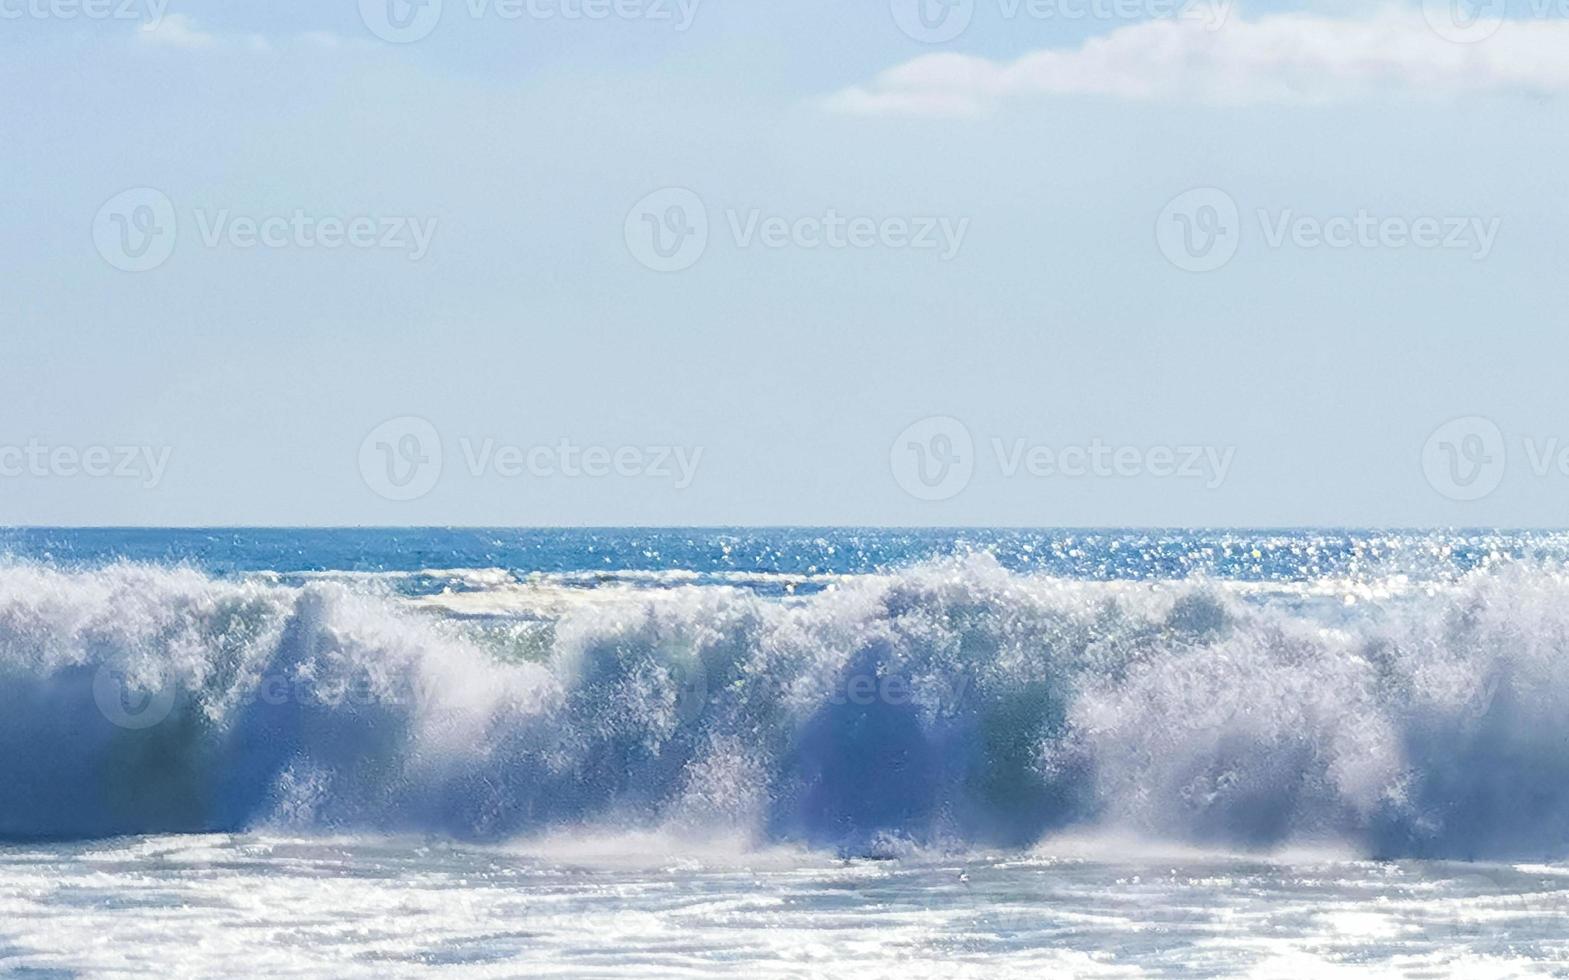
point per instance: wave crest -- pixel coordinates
(949, 703)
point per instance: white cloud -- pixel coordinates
(175, 31)
(1282, 59)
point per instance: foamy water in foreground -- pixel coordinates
(215, 904)
(784, 753)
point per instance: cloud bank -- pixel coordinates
(1282, 59)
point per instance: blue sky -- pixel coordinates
(1057, 321)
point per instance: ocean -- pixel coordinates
(793, 752)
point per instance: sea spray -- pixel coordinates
(952, 703)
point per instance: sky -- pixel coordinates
(712, 262)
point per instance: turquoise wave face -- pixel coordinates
(951, 703)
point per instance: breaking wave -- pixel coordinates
(949, 704)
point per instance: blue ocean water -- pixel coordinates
(794, 751)
(1094, 554)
